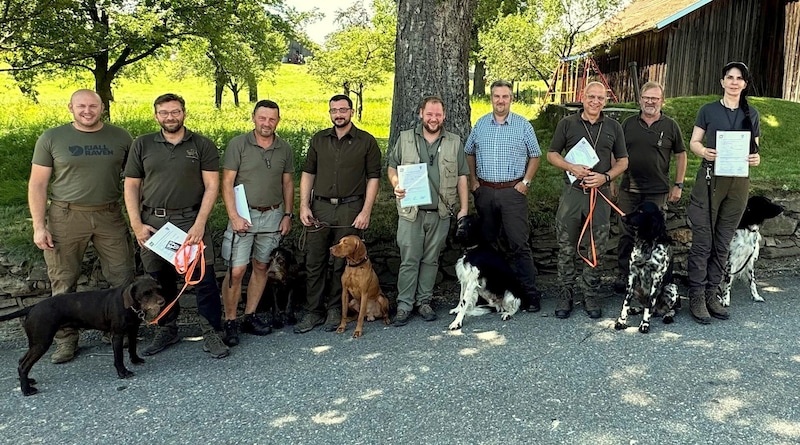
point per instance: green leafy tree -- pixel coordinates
(361, 53)
(486, 15)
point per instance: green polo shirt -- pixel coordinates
(650, 149)
(605, 136)
(86, 165)
(172, 174)
(342, 166)
(260, 169)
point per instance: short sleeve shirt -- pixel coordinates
(86, 165)
(172, 175)
(259, 169)
(605, 135)
(650, 149)
(714, 117)
(502, 150)
(343, 166)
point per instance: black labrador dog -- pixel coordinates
(118, 311)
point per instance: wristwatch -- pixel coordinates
(289, 215)
(679, 185)
(526, 183)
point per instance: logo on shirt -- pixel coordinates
(90, 150)
(192, 154)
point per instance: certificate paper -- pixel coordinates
(241, 202)
(732, 150)
(166, 242)
(414, 179)
(582, 154)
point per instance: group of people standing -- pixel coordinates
(172, 175)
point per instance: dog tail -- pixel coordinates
(16, 314)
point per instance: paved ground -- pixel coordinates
(532, 380)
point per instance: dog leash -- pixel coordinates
(593, 192)
(233, 247)
(318, 226)
(185, 265)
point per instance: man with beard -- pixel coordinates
(651, 139)
(173, 176)
(264, 164)
(503, 156)
(338, 188)
(85, 159)
(422, 230)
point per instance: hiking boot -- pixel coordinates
(401, 318)
(591, 307)
(715, 307)
(106, 338)
(230, 332)
(427, 312)
(253, 324)
(621, 284)
(310, 321)
(165, 337)
(65, 348)
(213, 344)
(698, 308)
(564, 305)
(332, 320)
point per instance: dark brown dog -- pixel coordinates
(282, 272)
(118, 311)
(360, 282)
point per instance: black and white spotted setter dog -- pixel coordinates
(484, 275)
(745, 246)
(650, 277)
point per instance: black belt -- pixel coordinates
(265, 208)
(162, 212)
(81, 208)
(337, 201)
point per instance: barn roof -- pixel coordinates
(645, 15)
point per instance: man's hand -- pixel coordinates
(195, 234)
(306, 217)
(286, 225)
(239, 224)
(675, 194)
(43, 239)
(520, 187)
(362, 220)
(143, 233)
(462, 213)
(399, 193)
(753, 159)
(579, 171)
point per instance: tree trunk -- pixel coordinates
(102, 83)
(478, 79)
(252, 90)
(432, 57)
(219, 86)
(235, 91)
(360, 100)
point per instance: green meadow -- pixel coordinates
(303, 103)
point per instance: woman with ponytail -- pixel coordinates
(717, 202)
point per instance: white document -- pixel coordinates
(166, 242)
(732, 150)
(414, 179)
(241, 202)
(582, 154)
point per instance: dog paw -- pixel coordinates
(31, 381)
(136, 360)
(340, 330)
(505, 316)
(29, 391)
(454, 325)
(668, 319)
(356, 334)
(758, 298)
(124, 374)
(620, 325)
(455, 310)
(644, 328)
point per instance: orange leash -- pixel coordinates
(593, 192)
(185, 266)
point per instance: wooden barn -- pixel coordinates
(684, 43)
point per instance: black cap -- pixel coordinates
(742, 67)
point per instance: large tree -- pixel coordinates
(432, 57)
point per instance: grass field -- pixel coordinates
(304, 111)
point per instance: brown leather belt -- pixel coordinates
(162, 212)
(266, 208)
(499, 185)
(337, 201)
(80, 208)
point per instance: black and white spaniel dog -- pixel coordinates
(745, 246)
(650, 277)
(484, 275)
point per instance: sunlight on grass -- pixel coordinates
(770, 120)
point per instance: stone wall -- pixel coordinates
(24, 281)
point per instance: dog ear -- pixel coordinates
(127, 296)
(360, 250)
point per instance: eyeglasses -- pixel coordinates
(339, 110)
(650, 99)
(173, 113)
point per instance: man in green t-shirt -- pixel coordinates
(84, 159)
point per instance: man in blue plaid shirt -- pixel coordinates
(503, 156)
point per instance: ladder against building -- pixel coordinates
(571, 77)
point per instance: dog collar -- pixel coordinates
(366, 257)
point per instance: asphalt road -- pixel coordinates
(531, 380)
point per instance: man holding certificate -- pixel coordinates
(428, 172)
(259, 165)
(585, 133)
(173, 176)
(719, 196)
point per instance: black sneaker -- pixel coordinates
(230, 329)
(333, 320)
(402, 318)
(253, 324)
(310, 321)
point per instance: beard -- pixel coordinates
(171, 127)
(341, 122)
(432, 128)
(265, 132)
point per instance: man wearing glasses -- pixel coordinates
(338, 188)
(85, 159)
(173, 176)
(652, 139)
(263, 164)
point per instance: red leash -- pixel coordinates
(184, 265)
(593, 192)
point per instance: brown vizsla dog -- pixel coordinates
(360, 281)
